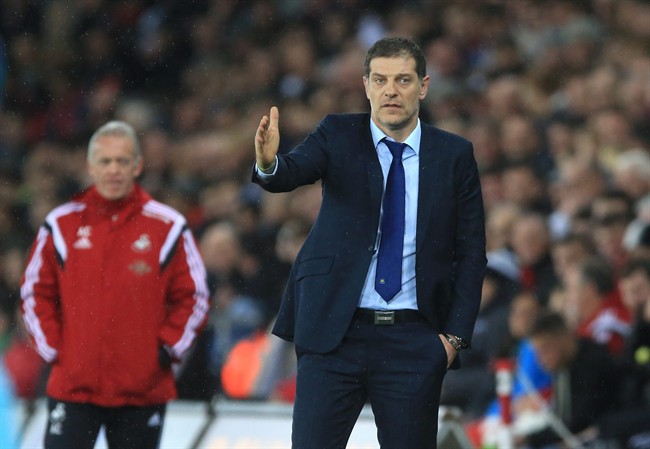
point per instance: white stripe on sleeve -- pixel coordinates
(32, 322)
(201, 294)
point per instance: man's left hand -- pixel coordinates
(451, 351)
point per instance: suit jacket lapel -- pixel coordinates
(429, 172)
(373, 172)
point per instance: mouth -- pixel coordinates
(114, 184)
(391, 106)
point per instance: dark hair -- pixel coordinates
(634, 265)
(584, 240)
(613, 195)
(548, 323)
(599, 272)
(397, 46)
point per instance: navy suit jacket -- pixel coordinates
(327, 277)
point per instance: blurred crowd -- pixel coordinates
(554, 95)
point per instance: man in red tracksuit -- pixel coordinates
(114, 292)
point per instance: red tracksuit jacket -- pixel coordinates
(107, 284)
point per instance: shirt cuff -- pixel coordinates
(264, 176)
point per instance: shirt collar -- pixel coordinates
(413, 140)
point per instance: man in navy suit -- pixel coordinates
(367, 329)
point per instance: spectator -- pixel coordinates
(263, 366)
(524, 187)
(593, 305)
(611, 213)
(531, 243)
(576, 185)
(635, 292)
(629, 426)
(532, 384)
(632, 173)
(586, 379)
(521, 142)
(472, 388)
(114, 292)
(569, 252)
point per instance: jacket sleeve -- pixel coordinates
(40, 296)
(305, 164)
(469, 251)
(187, 297)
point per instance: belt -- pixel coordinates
(387, 317)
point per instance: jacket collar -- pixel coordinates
(123, 207)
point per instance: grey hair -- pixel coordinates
(115, 128)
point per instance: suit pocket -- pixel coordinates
(314, 267)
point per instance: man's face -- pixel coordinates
(567, 256)
(635, 290)
(394, 91)
(529, 239)
(550, 351)
(113, 167)
(575, 307)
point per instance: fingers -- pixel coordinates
(268, 123)
(261, 130)
(451, 352)
(267, 138)
(274, 117)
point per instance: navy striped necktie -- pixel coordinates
(388, 280)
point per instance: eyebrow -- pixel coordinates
(397, 75)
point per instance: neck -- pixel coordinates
(399, 133)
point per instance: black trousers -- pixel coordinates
(76, 425)
(397, 368)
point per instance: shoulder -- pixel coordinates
(442, 135)
(161, 212)
(64, 210)
(346, 120)
(452, 148)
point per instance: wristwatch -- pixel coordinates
(457, 342)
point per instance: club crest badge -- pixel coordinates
(142, 245)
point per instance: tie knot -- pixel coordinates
(396, 148)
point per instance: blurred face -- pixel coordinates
(113, 166)
(550, 351)
(635, 290)
(609, 239)
(520, 186)
(394, 91)
(567, 256)
(523, 311)
(581, 299)
(529, 240)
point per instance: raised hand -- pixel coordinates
(267, 139)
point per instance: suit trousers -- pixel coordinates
(398, 369)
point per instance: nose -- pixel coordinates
(390, 90)
(113, 167)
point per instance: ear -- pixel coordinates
(424, 88)
(365, 86)
(139, 167)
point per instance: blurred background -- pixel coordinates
(554, 95)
